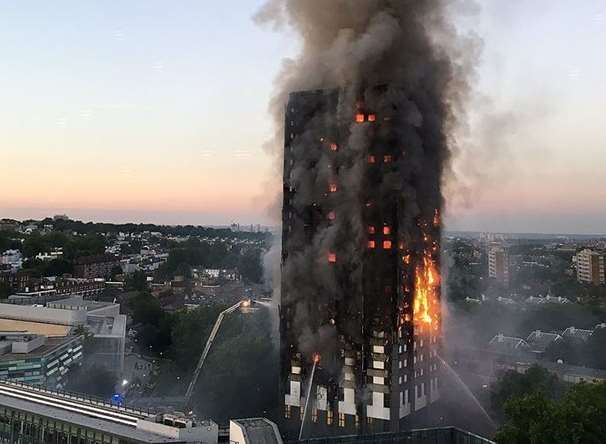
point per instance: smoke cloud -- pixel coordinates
(405, 61)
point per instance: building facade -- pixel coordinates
(37, 416)
(360, 294)
(498, 264)
(37, 360)
(591, 267)
(90, 267)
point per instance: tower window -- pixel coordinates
(388, 158)
(332, 258)
(332, 215)
(371, 229)
(372, 117)
(334, 147)
(386, 230)
(372, 244)
(360, 118)
(372, 159)
(332, 188)
(387, 245)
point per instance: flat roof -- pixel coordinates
(51, 345)
(258, 430)
(79, 419)
(79, 302)
(39, 328)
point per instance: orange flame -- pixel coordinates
(436, 218)
(427, 283)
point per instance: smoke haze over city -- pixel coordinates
(160, 123)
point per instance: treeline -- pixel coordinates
(73, 246)
(31, 245)
(195, 253)
(166, 230)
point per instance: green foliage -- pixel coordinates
(133, 247)
(250, 266)
(136, 281)
(5, 290)
(9, 241)
(145, 308)
(180, 336)
(240, 376)
(195, 253)
(513, 384)
(576, 418)
(189, 333)
(33, 245)
(180, 230)
(56, 267)
(73, 246)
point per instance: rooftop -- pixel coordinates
(51, 345)
(74, 409)
(39, 328)
(442, 435)
(259, 431)
(78, 303)
(539, 340)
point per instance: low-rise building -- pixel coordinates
(62, 318)
(29, 414)
(508, 345)
(538, 341)
(100, 266)
(12, 258)
(577, 334)
(38, 360)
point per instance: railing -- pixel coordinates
(92, 400)
(442, 435)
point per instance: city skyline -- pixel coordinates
(118, 113)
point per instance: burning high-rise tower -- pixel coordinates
(366, 144)
(361, 284)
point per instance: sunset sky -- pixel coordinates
(156, 111)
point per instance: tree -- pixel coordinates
(34, 245)
(5, 290)
(575, 418)
(8, 241)
(189, 333)
(137, 281)
(145, 308)
(513, 384)
(250, 267)
(240, 374)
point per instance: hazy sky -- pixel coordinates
(157, 111)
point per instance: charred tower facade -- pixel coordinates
(360, 291)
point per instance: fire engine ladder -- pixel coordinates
(209, 343)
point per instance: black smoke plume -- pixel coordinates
(404, 60)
